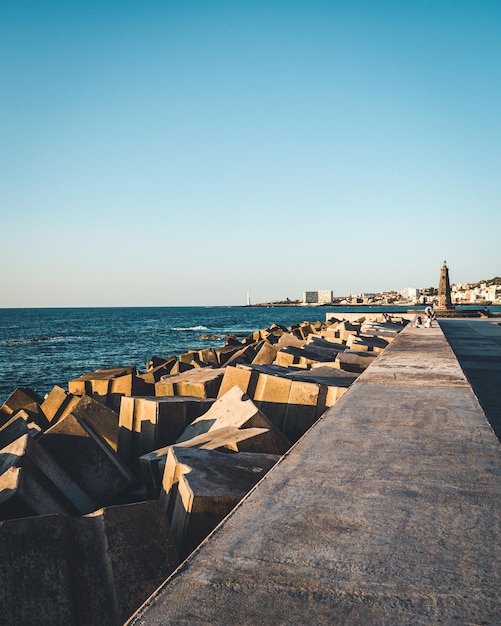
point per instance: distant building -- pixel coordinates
(317, 297)
(409, 293)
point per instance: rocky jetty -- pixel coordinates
(107, 486)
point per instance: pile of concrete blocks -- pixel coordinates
(61, 461)
(292, 398)
(233, 423)
(110, 385)
(66, 558)
(183, 442)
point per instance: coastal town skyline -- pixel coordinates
(186, 153)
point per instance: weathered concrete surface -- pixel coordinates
(223, 439)
(200, 487)
(201, 383)
(109, 385)
(151, 422)
(236, 409)
(75, 445)
(20, 398)
(83, 571)
(386, 512)
(41, 487)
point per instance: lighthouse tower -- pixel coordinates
(444, 289)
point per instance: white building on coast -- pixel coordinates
(317, 297)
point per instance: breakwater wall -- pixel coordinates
(387, 511)
(106, 486)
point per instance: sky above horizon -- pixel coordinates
(169, 152)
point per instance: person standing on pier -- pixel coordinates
(430, 316)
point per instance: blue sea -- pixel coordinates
(40, 348)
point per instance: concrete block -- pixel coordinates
(200, 487)
(20, 398)
(20, 424)
(355, 361)
(209, 356)
(58, 403)
(157, 361)
(37, 587)
(201, 383)
(21, 495)
(235, 409)
(33, 483)
(225, 353)
(366, 343)
(153, 463)
(272, 396)
(246, 354)
(286, 357)
(187, 357)
(289, 339)
(101, 417)
(325, 375)
(307, 402)
(333, 395)
(308, 354)
(266, 354)
(87, 458)
(109, 385)
(182, 366)
(246, 379)
(155, 372)
(83, 571)
(119, 556)
(151, 422)
(319, 342)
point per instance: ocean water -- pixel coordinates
(40, 348)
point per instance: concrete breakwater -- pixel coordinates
(387, 511)
(107, 486)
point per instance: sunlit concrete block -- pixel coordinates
(151, 422)
(266, 354)
(58, 403)
(235, 409)
(201, 383)
(272, 396)
(245, 378)
(20, 398)
(200, 487)
(109, 385)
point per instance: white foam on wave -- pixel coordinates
(192, 328)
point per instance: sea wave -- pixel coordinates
(36, 339)
(195, 328)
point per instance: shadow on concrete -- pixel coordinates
(477, 346)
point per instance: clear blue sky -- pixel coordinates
(178, 152)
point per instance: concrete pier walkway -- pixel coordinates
(386, 512)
